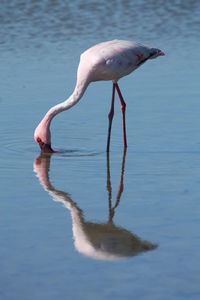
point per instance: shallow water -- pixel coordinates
(79, 224)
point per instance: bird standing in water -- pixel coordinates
(110, 60)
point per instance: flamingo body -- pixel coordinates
(113, 60)
(109, 60)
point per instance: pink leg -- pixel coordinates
(123, 108)
(110, 117)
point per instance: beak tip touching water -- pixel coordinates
(46, 148)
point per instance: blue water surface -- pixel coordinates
(81, 224)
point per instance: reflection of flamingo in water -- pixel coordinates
(99, 241)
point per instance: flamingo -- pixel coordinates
(109, 60)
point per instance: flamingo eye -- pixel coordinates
(38, 140)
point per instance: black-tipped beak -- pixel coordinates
(46, 148)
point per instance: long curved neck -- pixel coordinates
(68, 103)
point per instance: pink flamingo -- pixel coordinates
(109, 60)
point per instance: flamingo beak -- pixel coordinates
(45, 148)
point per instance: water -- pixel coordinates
(145, 204)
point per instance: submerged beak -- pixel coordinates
(46, 148)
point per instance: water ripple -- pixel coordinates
(25, 147)
(32, 23)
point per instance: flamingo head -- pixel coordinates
(42, 136)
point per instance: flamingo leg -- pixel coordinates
(110, 117)
(123, 109)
